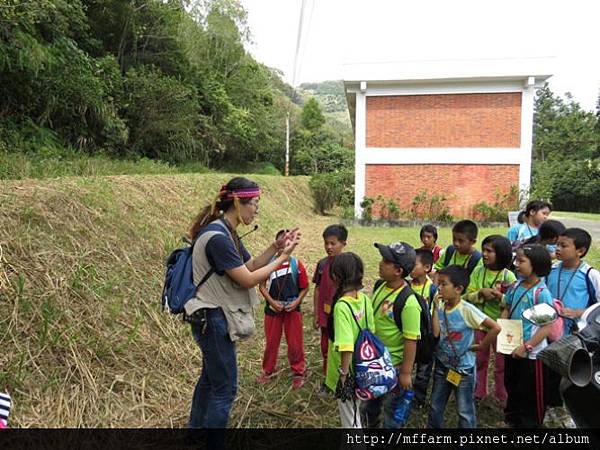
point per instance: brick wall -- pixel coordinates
(453, 120)
(463, 185)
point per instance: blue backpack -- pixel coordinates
(374, 373)
(179, 285)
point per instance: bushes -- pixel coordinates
(332, 189)
(425, 206)
(367, 208)
(498, 211)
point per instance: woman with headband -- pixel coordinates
(222, 311)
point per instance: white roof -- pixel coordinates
(451, 70)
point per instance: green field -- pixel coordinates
(84, 341)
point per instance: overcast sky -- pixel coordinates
(343, 31)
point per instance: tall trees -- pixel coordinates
(167, 79)
(317, 147)
(566, 153)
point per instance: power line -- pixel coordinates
(298, 39)
(305, 40)
(295, 74)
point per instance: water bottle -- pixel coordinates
(402, 409)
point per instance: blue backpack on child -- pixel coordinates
(374, 373)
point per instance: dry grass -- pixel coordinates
(84, 343)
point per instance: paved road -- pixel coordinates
(592, 226)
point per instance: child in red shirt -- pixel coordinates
(284, 291)
(429, 236)
(334, 241)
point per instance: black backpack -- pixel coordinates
(471, 263)
(426, 345)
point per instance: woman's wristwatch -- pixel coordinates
(341, 371)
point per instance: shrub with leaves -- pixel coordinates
(332, 189)
(367, 208)
(425, 206)
(498, 211)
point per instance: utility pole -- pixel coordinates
(287, 144)
(294, 74)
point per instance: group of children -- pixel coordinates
(465, 291)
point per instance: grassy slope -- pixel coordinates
(84, 342)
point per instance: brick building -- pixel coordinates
(462, 129)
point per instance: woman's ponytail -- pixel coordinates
(207, 215)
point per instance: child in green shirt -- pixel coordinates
(397, 262)
(486, 287)
(462, 251)
(423, 285)
(346, 271)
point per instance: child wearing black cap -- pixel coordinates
(398, 260)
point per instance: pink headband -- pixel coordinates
(226, 194)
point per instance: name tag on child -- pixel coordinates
(511, 335)
(453, 377)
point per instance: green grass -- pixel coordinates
(60, 162)
(576, 215)
(18, 166)
(84, 342)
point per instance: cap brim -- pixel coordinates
(385, 251)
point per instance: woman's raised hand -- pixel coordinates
(293, 239)
(281, 241)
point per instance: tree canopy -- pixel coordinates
(163, 79)
(566, 153)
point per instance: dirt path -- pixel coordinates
(592, 226)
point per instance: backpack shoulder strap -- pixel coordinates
(473, 261)
(377, 285)
(351, 313)
(536, 294)
(400, 303)
(590, 287)
(448, 254)
(432, 291)
(294, 268)
(205, 238)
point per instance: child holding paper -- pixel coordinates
(524, 375)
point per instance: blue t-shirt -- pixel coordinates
(462, 321)
(222, 252)
(521, 232)
(574, 291)
(518, 299)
